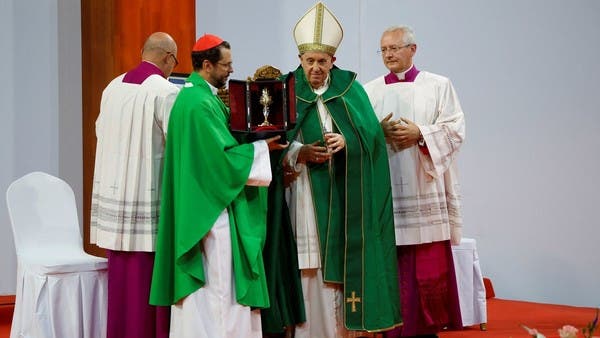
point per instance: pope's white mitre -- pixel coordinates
(318, 30)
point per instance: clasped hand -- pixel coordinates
(401, 133)
(318, 153)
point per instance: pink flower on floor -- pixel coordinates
(533, 332)
(568, 331)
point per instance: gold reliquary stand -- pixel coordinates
(262, 106)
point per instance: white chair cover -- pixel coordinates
(471, 290)
(61, 290)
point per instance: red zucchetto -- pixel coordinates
(206, 42)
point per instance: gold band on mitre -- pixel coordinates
(318, 30)
(316, 47)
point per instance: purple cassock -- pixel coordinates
(428, 289)
(130, 274)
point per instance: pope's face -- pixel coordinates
(316, 66)
(397, 56)
(220, 71)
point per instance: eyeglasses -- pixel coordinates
(174, 58)
(392, 49)
(173, 55)
(227, 65)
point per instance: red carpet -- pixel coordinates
(6, 311)
(504, 319)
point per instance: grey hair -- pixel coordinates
(408, 35)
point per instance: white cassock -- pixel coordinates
(425, 188)
(212, 311)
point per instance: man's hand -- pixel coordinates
(401, 133)
(273, 143)
(289, 174)
(387, 124)
(335, 142)
(406, 134)
(313, 153)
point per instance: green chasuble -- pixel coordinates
(352, 197)
(205, 172)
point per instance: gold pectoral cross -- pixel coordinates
(353, 300)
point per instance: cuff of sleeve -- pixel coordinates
(422, 143)
(455, 235)
(293, 156)
(260, 173)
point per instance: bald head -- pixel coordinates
(159, 40)
(161, 50)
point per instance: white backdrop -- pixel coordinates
(527, 76)
(526, 73)
(40, 103)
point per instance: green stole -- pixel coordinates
(206, 171)
(353, 202)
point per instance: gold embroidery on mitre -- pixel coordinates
(318, 30)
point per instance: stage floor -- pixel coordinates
(505, 318)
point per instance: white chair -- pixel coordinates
(61, 290)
